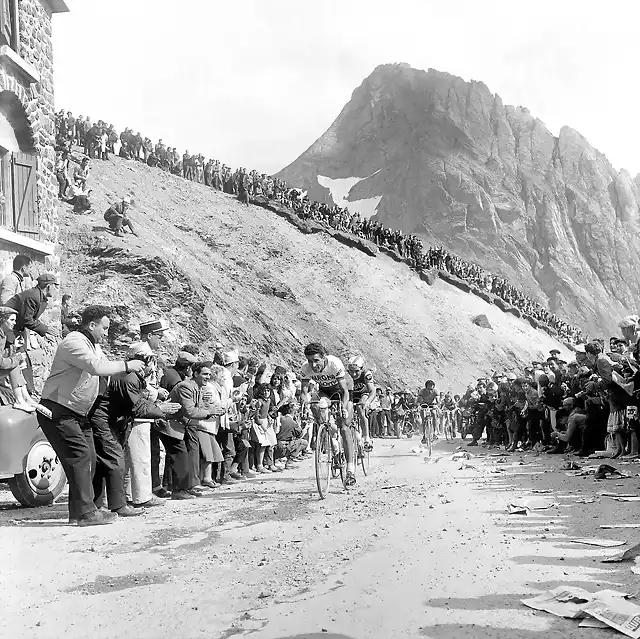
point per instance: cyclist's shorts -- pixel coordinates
(332, 392)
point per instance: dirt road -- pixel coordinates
(437, 557)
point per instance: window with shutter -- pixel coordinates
(8, 24)
(25, 195)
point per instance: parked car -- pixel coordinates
(28, 463)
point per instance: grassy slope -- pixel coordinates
(207, 263)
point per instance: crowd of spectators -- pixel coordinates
(100, 139)
(135, 432)
(585, 406)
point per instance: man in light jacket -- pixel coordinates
(67, 399)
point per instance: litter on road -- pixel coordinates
(627, 555)
(604, 543)
(606, 606)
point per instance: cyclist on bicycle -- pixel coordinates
(362, 396)
(428, 401)
(329, 374)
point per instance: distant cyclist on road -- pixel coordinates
(428, 401)
(330, 375)
(363, 395)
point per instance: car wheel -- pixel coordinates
(42, 478)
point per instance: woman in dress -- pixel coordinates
(11, 364)
(213, 399)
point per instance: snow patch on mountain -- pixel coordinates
(340, 189)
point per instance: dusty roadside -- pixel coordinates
(438, 557)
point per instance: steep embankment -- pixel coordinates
(446, 159)
(218, 270)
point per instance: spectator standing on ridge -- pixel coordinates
(67, 397)
(17, 281)
(62, 173)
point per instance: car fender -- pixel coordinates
(17, 430)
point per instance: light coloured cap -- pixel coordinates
(185, 358)
(230, 357)
(629, 321)
(139, 348)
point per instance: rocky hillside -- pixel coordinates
(448, 160)
(218, 270)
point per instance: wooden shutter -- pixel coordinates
(25, 196)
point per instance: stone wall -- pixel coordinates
(36, 48)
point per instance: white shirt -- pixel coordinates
(329, 377)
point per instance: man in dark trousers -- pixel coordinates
(173, 375)
(120, 402)
(67, 399)
(30, 305)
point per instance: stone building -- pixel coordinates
(28, 190)
(28, 186)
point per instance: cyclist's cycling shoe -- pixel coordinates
(424, 441)
(368, 447)
(338, 461)
(350, 479)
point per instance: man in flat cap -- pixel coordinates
(29, 306)
(139, 483)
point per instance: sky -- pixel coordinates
(255, 83)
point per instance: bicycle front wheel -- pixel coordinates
(323, 457)
(429, 438)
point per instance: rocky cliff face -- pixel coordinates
(490, 182)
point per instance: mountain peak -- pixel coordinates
(446, 159)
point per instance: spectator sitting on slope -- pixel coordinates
(118, 219)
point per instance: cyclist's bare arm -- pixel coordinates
(345, 397)
(372, 394)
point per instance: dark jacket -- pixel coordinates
(30, 305)
(124, 401)
(170, 379)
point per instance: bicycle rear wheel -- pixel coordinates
(324, 459)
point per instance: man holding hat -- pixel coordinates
(138, 483)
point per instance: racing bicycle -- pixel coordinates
(428, 416)
(330, 457)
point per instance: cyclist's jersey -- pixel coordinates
(428, 397)
(360, 385)
(329, 379)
